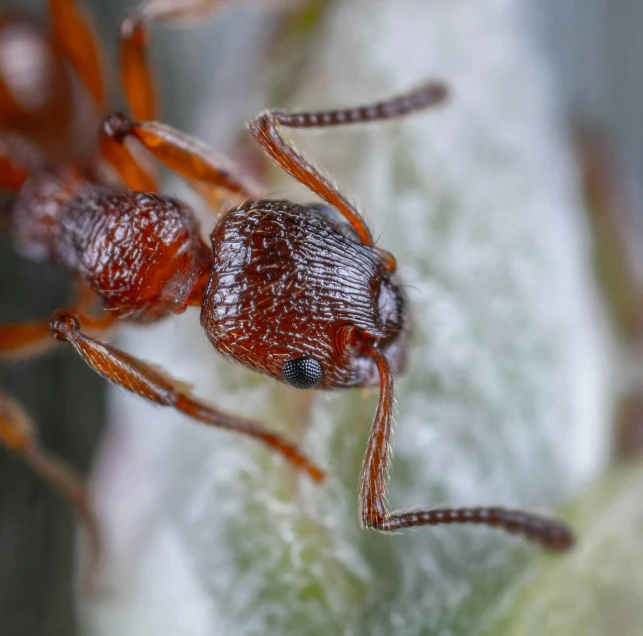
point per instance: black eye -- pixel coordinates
(302, 373)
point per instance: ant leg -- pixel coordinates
(136, 74)
(18, 435)
(76, 37)
(153, 384)
(23, 340)
(185, 155)
(119, 156)
(550, 533)
(267, 131)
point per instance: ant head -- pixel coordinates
(295, 294)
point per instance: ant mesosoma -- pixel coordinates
(299, 293)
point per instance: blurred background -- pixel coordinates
(581, 95)
(591, 49)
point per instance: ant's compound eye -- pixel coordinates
(302, 373)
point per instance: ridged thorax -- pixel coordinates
(141, 252)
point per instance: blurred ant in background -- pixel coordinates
(297, 292)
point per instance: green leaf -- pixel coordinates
(597, 589)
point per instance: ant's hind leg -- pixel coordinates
(76, 37)
(267, 131)
(153, 384)
(18, 435)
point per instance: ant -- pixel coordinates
(300, 293)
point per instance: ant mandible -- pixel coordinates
(296, 292)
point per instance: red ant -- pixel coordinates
(296, 292)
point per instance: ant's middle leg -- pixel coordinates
(153, 384)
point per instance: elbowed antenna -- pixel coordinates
(550, 533)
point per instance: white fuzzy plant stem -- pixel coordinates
(505, 401)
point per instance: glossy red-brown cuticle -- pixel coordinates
(62, 324)
(141, 252)
(280, 283)
(116, 125)
(284, 280)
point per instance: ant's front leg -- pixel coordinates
(550, 533)
(120, 158)
(210, 173)
(153, 384)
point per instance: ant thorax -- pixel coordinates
(293, 293)
(141, 252)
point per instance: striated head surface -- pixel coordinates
(294, 295)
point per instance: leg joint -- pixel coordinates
(63, 323)
(116, 126)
